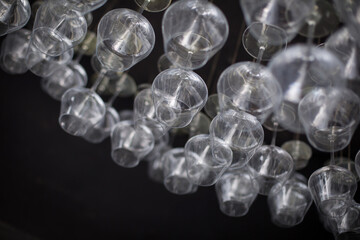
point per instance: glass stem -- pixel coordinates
(273, 140)
(99, 79)
(143, 6)
(79, 57)
(260, 54)
(332, 156)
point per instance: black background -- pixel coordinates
(56, 186)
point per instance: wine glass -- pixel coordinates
(241, 131)
(330, 117)
(130, 144)
(272, 23)
(206, 159)
(349, 12)
(346, 163)
(236, 190)
(289, 201)
(14, 15)
(249, 87)
(153, 5)
(270, 165)
(175, 175)
(298, 69)
(13, 51)
(193, 31)
(124, 38)
(83, 6)
(332, 189)
(178, 96)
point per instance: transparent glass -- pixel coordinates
(199, 125)
(81, 108)
(178, 96)
(287, 15)
(57, 28)
(129, 144)
(193, 31)
(124, 38)
(332, 188)
(289, 201)
(155, 168)
(249, 87)
(241, 131)
(206, 159)
(212, 106)
(153, 5)
(299, 69)
(126, 115)
(145, 114)
(330, 117)
(270, 165)
(159, 146)
(164, 63)
(236, 191)
(349, 12)
(14, 15)
(346, 163)
(100, 131)
(345, 47)
(13, 52)
(88, 46)
(175, 175)
(348, 226)
(44, 65)
(83, 6)
(65, 77)
(300, 152)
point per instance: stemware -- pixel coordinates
(348, 226)
(175, 176)
(270, 165)
(299, 69)
(241, 131)
(130, 144)
(84, 6)
(349, 12)
(193, 31)
(13, 51)
(289, 201)
(212, 106)
(14, 15)
(346, 163)
(153, 5)
(332, 189)
(249, 87)
(236, 190)
(206, 159)
(330, 117)
(178, 96)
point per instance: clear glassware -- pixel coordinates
(153, 5)
(299, 69)
(330, 117)
(14, 15)
(178, 96)
(44, 65)
(175, 175)
(348, 226)
(199, 125)
(236, 191)
(332, 189)
(270, 165)
(124, 38)
(129, 144)
(300, 152)
(81, 108)
(212, 106)
(206, 159)
(88, 46)
(241, 131)
(13, 51)
(357, 163)
(349, 12)
(274, 14)
(65, 77)
(249, 87)
(289, 201)
(57, 28)
(145, 114)
(98, 132)
(193, 31)
(160, 144)
(345, 47)
(155, 168)
(164, 63)
(327, 20)
(83, 6)
(346, 163)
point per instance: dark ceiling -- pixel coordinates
(56, 186)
